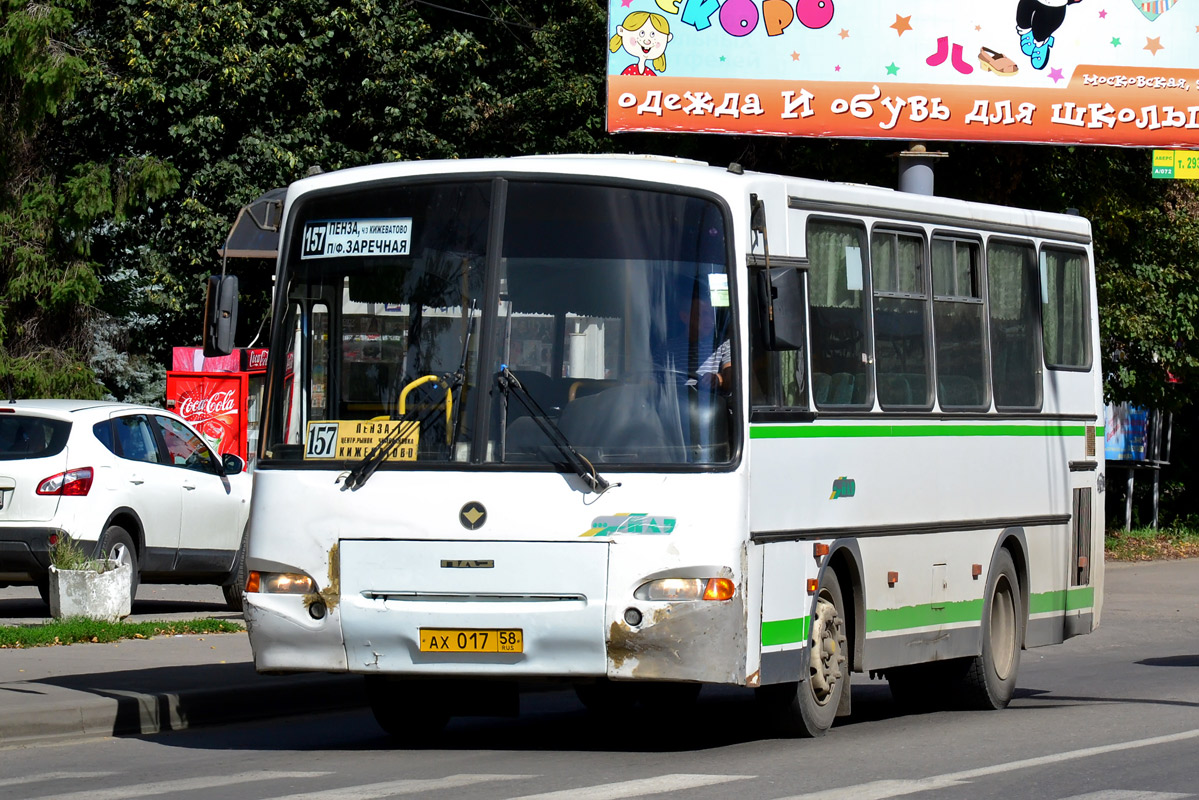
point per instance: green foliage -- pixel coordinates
(53, 205)
(68, 554)
(78, 630)
(1146, 544)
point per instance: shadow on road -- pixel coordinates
(1172, 661)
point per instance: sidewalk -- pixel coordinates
(138, 686)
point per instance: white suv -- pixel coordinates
(134, 483)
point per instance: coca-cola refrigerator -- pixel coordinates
(220, 396)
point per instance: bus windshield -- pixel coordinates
(610, 305)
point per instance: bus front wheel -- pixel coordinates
(406, 710)
(808, 707)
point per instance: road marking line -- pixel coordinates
(181, 785)
(880, 790)
(372, 791)
(1127, 794)
(53, 776)
(637, 788)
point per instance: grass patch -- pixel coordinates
(80, 629)
(1147, 544)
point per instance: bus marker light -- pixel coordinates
(819, 550)
(892, 578)
(813, 585)
(719, 589)
(254, 582)
(976, 570)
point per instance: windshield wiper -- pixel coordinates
(509, 385)
(453, 382)
(356, 477)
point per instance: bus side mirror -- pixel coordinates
(783, 311)
(220, 315)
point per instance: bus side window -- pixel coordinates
(763, 389)
(777, 379)
(1015, 335)
(1064, 305)
(841, 374)
(958, 326)
(901, 331)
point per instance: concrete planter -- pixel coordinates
(90, 593)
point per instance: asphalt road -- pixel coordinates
(1110, 716)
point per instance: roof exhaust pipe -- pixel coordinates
(916, 169)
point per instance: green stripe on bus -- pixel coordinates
(1063, 600)
(934, 614)
(882, 431)
(784, 631)
(923, 616)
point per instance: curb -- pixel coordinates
(116, 712)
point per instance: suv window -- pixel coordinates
(31, 437)
(134, 438)
(185, 448)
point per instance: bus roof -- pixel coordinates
(862, 199)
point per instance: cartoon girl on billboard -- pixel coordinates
(643, 36)
(1036, 20)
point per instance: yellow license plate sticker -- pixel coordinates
(471, 640)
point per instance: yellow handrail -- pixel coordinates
(449, 402)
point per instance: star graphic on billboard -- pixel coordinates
(902, 24)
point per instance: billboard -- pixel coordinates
(1112, 72)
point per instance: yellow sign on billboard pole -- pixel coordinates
(1178, 164)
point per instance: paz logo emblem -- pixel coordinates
(472, 516)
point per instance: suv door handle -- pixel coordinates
(136, 481)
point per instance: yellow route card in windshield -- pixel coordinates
(355, 439)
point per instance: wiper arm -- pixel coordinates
(362, 471)
(356, 477)
(578, 462)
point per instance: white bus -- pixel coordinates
(639, 425)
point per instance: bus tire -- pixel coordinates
(808, 708)
(990, 677)
(405, 710)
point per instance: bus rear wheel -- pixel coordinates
(405, 710)
(990, 677)
(807, 708)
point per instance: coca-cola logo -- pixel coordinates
(215, 403)
(256, 359)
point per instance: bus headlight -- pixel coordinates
(279, 583)
(670, 589)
